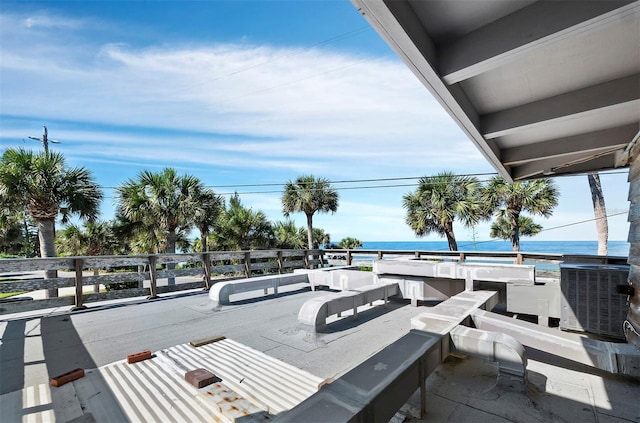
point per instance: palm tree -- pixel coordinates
(538, 197)
(242, 228)
(164, 200)
(320, 237)
(309, 195)
(440, 200)
(41, 183)
(501, 228)
(600, 212)
(288, 235)
(207, 213)
(350, 243)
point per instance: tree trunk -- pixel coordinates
(600, 212)
(310, 234)
(46, 237)
(203, 241)
(515, 230)
(451, 237)
(171, 248)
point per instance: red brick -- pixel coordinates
(134, 358)
(67, 377)
(200, 378)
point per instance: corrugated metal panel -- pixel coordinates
(272, 384)
(252, 383)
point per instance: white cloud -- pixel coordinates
(249, 108)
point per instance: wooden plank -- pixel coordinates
(205, 341)
(116, 278)
(178, 258)
(297, 264)
(264, 265)
(264, 254)
(115, 261)
(229, 268)
(35, 284)
(292, 253)
(35, 264)
(180, 287)
(219, 256)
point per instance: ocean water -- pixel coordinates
(616, 248)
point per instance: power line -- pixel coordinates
(280, 191)
(343, 181)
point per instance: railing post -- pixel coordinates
(417, 254)
(321, 258)
(462, 257)
(379, 255)
(78, 264)
(349, 258)
(153, 276)
(206, 271)
(247, 263)
(306, 259)
(518, 258)
(280, 263)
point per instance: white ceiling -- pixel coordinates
(541, 87)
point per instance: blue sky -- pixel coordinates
(243, 93)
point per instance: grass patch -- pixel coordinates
(10, 294)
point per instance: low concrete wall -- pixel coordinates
(423, 288)
(341, 278)
(221, 291)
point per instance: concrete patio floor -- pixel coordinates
(37, 347)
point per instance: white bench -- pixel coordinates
(314, 312)
(220, 292)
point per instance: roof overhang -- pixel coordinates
(541, 87)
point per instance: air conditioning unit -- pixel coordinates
(590, 301)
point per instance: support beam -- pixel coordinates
(590, 142)
(575, 163)
(402, 30)
(524, 31)
(620, 95)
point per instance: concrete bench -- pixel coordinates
(340, 278)
(469, 272)
(314, 312)
(221, 291)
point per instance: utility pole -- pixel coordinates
(45, 139)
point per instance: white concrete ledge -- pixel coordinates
(507, 273)
(221, 291)
(315, 311)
